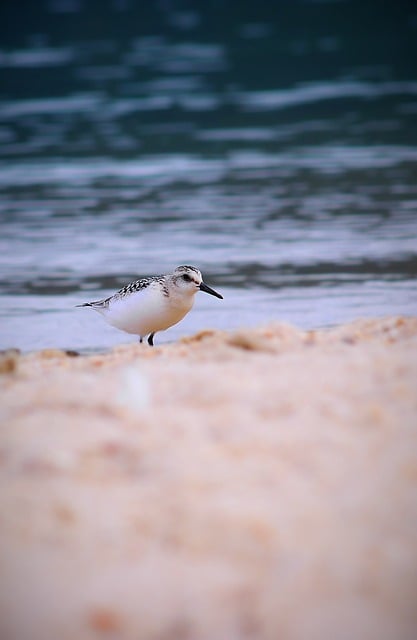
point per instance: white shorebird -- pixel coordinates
(152, 304)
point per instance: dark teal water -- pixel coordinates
(273, 145)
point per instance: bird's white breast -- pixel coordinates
(146, 311)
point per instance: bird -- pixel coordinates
(153, 304)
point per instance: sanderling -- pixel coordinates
(152, 304)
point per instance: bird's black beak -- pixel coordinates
(206, 289)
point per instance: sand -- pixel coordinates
(257, 484)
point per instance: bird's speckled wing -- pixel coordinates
(132, 287)
(140, 285)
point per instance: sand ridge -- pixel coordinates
(252, 484)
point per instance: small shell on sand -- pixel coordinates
(9, 360)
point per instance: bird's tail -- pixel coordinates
(99, 305)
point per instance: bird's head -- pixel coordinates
(189, 280)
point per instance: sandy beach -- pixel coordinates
(258, 484)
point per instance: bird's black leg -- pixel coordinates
(150, 339)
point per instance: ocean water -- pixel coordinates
(274, 146)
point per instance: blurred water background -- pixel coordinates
(271, 144)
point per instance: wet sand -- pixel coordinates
(256, 484)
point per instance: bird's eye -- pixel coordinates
(186, 277)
